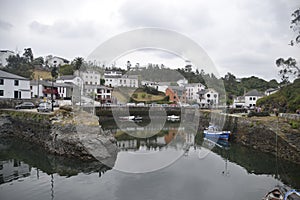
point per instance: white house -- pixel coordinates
(55, 61)
(271, 91)
(239, 102)
(4, 54)
(89, 77)
(192, 91)
(208, 98)
(116, 79)
(102, 93)
(251, 97)
(70, 79)
(13, 86)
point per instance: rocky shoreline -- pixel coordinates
(62, 134)
(77, 134)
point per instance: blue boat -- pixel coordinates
(215, 133)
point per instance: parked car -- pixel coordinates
(25, 105)
(44, 107)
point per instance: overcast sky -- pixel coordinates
(243, 37)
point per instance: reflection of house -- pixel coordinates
(14, 86)
(116, 79)
(12, 170)
(208, 98)
(55, 61)
(176, 94)
(4, 54)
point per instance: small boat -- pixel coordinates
(214, 132)
(275, 194)
(138, 118)
(173, 118)
(127, 118)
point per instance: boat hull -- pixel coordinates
(217, 135)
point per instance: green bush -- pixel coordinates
(258, 114)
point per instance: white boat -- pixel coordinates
(173, 118)
(127, 118)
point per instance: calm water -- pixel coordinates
(169, 166)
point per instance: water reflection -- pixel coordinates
(231, 168)
(17, 158)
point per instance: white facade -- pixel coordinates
(13, 86)
(54, 61)
(89, 77)
(251, 98)
(4, 54)
(208, 98)
(36, 89)
(192, 91)
(239, 102)
(115, 79)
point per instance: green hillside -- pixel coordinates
(287, 99)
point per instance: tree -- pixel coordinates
(28, 54)
(288, 68)
(19, 65)
(78, 62)
(102, 81)
(66, 70)
(39, 61)
(295, 25)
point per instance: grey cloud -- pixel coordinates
(65, 29)
(5, 25)
(164, 15)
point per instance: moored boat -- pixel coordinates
(275, 194)
(173, 118)
(214, 132)
(127, 118)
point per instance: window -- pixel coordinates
(254, 98)
(208, 95)
(250, 98)
(1, 81)
(16, 82)
(215, 96)
(1, 93)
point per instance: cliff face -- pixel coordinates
(69, 134)
(267, 134)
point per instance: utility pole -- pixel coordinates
(54, 75)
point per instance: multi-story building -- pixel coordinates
(208, 98)
(116, 79)
(13, 86)
(176, 94)
(100, 93)
(251, 97)
(192, 91)
(89, 77)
